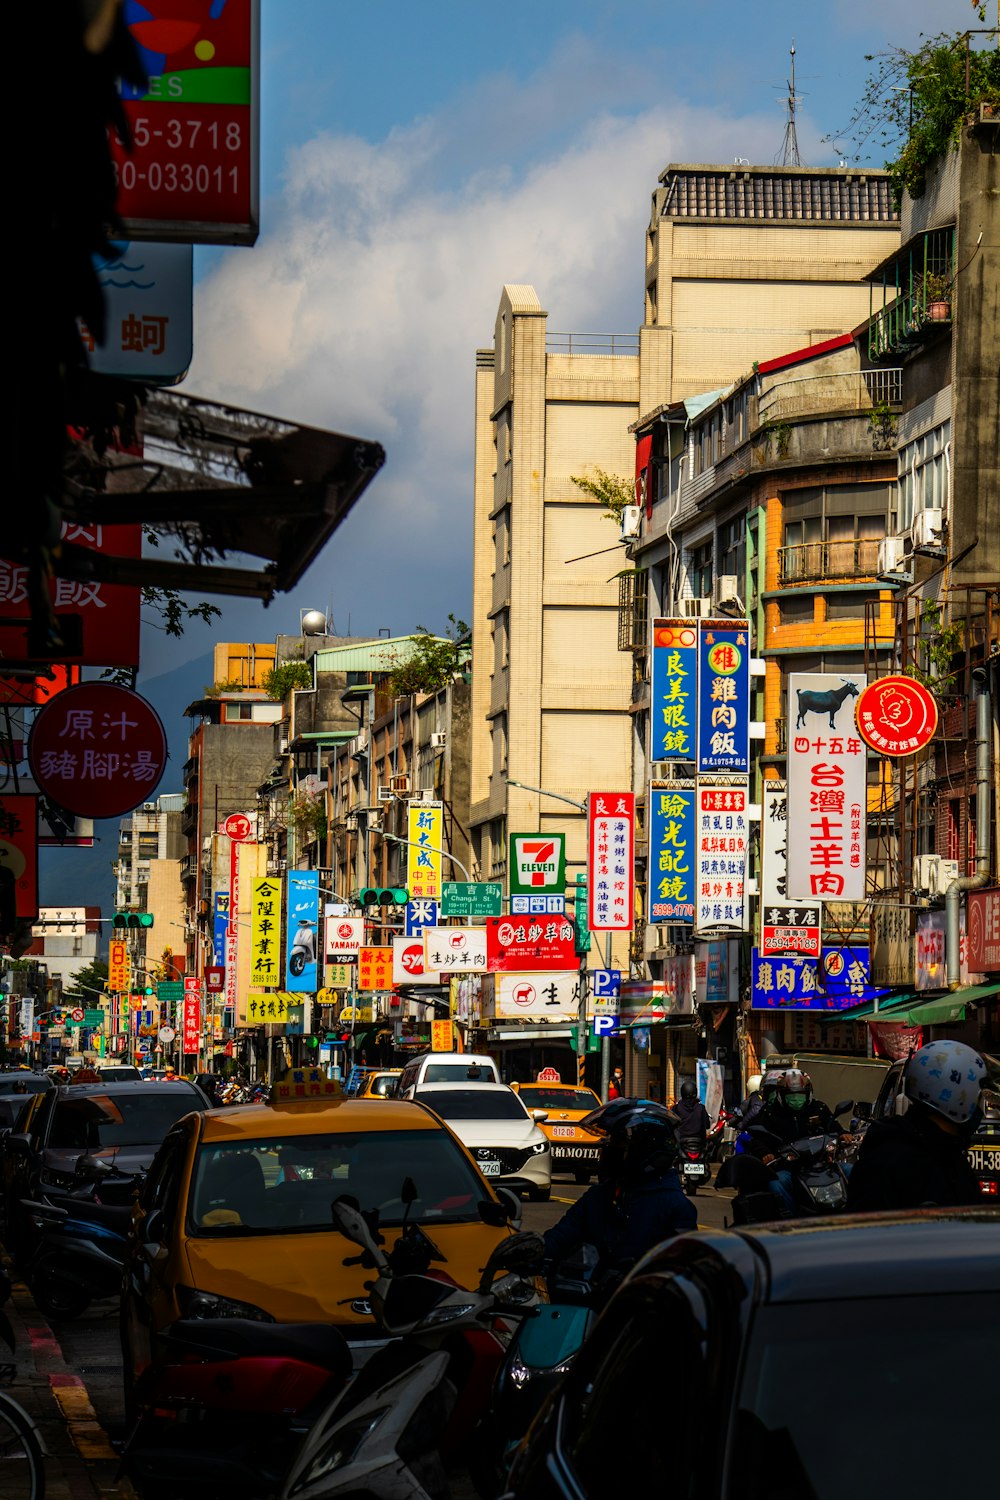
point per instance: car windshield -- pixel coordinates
(24, 1083)
(383, 1084)
(537, 1096)
(122, 1074)
(473, 1104)
(285, 1185)
(782, 1444)
(458, 1073)
(95, 1121)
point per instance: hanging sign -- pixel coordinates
(671, 852)
(827, 793)
(220, 925)
(455, 950)
(420, 914)
(537, 997)
(791, 929)
(984, 929)
(442, 1036)
(375, 969)
(723, 839)
(408, 963)
(302, 931)
(794, 983)
(611, 860)
(118, 967)
(191, 1023)
(239, 828)
(97, 749)
(537, 864)
(477, 898)
(896, 715)
(529, 943)
(265, 931)
(147, 313)
(344, 936)
(270, 1009)
(773, 842)
(19, 850)
(724, 696)
(673, 690)
(423, 855)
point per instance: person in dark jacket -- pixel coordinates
(695, 1120)
(788, 1113)
(921, 1157)
(637, 1200)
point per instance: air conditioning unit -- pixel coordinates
(631, 522)
(943, 873)
(400, 785)
(149, 807)
(422, 794)
(893, 563)
(726, 593)
(282, 747)
(439, 740)
(925, 873)
(927, 532)
(696, 609)
(385, 794)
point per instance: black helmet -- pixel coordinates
(639, 1139)
(689, 1090)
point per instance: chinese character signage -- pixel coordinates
(537, 997)
(118, 967)
(408, 965)
(791, 929)
(305, 1083)
(270, 1009)
(147, 299)
(421, 914)
(671, 852)
(375, 969)
(827, 797)
(724, 697)
(611, 850)
(301, 931)
(265, 932)
(529, 943)
(896, 715)
(19, 850)
(455, 950)
(220, 927)
(423, 857)
(773, 842)
(723, 839)
(794, 984)
(537, 864)
(97, 749)
(344, 936)
(482, 898)
(673, 690)
(983, 924)
(191, 1024)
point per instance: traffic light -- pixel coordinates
(143, 990)
(131, 919)
(392, 895)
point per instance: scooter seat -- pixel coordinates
(243, 1338)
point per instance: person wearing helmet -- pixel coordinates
(694, 1120)
(637, 1200)
(919, 1157)
(787, 1112)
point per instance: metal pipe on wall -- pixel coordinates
(984, 779)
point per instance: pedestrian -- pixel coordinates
(920, 1157)
(616, 1085)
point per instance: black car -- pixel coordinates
(801, 1361)
(20, 1081)
(121, 1123)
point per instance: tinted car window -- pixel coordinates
(458, 1072)
(472, 1104)
(95, 1121)
(537, 1096)
(120, 1073)
(25, 1083)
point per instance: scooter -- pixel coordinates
(303, 949)
(692, 1165)
(80, 1250)
(814, 1175)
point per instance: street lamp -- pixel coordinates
(395, 838)
(543, 792)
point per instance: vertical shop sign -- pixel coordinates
(220, 927)
(423, 861)
(19, 850)
(302, 931)
(723, 838)
(611, 858)
(827, 794)
(191, 1040)
(773, 843)
(118, 967)
(671, 852)
(265, 932)
(673, 696)
(724, 697)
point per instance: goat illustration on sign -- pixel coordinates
(829, 702)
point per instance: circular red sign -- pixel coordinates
(77, 1014)
(896, 715)
(97, 750)
(413, 958)
(238, 828)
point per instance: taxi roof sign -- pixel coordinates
(302, 1085)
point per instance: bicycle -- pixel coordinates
(22, 1465)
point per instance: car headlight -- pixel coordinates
(195, 1304)
(341, 1448)
(539, 1147)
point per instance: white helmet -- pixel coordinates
(946, 1077)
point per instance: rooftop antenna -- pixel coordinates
(790, 145)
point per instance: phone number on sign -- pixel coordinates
(185, 177)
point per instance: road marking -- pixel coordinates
(88, 1436)
(554, 1199)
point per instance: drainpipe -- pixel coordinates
(983, 799)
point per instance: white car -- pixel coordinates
(497, 1131)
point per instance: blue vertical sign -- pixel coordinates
(301, 929)
(220, 929)
(723, 697)
(671, 853)
(673, 695)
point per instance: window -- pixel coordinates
(833, 531)
(799, 610)
(700, 570)
(733, 547)
(94, 1122)
(846, 606)
(923, 474)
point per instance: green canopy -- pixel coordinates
(936, 1012)
(888, 1005)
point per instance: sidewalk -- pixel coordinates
(80, 1463)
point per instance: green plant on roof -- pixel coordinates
(432, 661)
(612, 490)
(280, 681)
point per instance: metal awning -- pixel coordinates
(529, 1033)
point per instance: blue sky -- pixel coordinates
(416, 156)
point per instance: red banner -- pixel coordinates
(97, 750)
(191, 1037)
(19, 850)
(108, 612)
(982, 925)
(526, 944)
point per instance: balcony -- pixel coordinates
(918, 279)
(815, 562)
(832, 392)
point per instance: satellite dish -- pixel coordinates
(312, 622)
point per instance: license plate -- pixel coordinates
(563, 1130)
(694, 1169)
(490, 1168)
(984, 1158)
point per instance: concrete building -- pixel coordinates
(151, 845)
(67, 939)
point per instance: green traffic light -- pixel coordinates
(131, 919)
(373, 895)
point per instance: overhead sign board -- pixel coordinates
(344, 936)
(408, 966)
(529, 944)
(302, 931)
(723, 697)
(672, 852)
(477, 898)
(791, 929)
(375, 969)
(723, 838)
(673, 706)
(147, 311)
(611, 861)
(118, 968)
(827, 793)
(773, 843)
(537, 997)
(97, 749)
(265, 931)
(537, 864)
(983, 927)
(794, 983)
(424, 850)
(455, 950)
(421, 914)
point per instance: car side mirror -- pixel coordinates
(511, 1203)
(18, 1143)
(92, 1168)
(492, 1213)
(843, 1108)
(539, 1115)
(153, 1231)
(862, 1109)
(900, 1105)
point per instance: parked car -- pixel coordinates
(446, 1067)
(749, 1316)
(379, 1083)
(123, 1123)
(572, 1149)
(505, 1140)
(984, 1149)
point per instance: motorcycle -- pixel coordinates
(80, 1251)
(810, 1175)
(692, 1165)
(303, 949)
(721, 1140)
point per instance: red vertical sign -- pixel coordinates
(19, 850)
(192, 1015)
(611, 858)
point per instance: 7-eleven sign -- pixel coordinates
(537, 863)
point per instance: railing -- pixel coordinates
(844, 391)
(921, 277)
(592, 343)
(633, 615)
(819, 560)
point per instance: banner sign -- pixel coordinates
(645, 1001)
(791, 929)
(537, 997)
(265, 930)
(97, 749)
(537, 864)
(191, 1032)
(529, 944)
(19, 850)
(301, 931)
(671, 852)
(455, 950)
(220, 926)
(118, 967)
(270, 1009)
(147, 311)
(408, 966)
(983, 923)
(478, 898)
(723, 841)
(673, 690)
(611, 860)
(344, 936)
(421, 914)
(423, 862)
(794, 984)
(724, 697)
(215, 979)
(338, 977)
(717, 972)
(375, 969)
(827, 794)
(773, 843)
(442, 1036)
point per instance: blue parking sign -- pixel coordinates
(607, 983)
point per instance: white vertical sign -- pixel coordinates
(773, 843)
(611, 850)
(827, 793)
(722, 840)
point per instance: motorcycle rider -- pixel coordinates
(637, 1200)
(695, 1120)
(787, 1113)
(920, 1157)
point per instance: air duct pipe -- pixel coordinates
(984, 741)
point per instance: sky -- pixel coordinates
(414, 157)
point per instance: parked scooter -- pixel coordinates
(811, 1171)
(80, 1250)
(692, 1165)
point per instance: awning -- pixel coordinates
(529, 1033)
(888, 1008)
(936, 1013)
(918, 1010)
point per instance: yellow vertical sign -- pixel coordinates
(423, 862)
(251, 862)
(265, 932)
(118, 967)
(442, 1037)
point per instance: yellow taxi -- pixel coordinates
(234, 1216)
(571, 1149)
(380, 1083)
